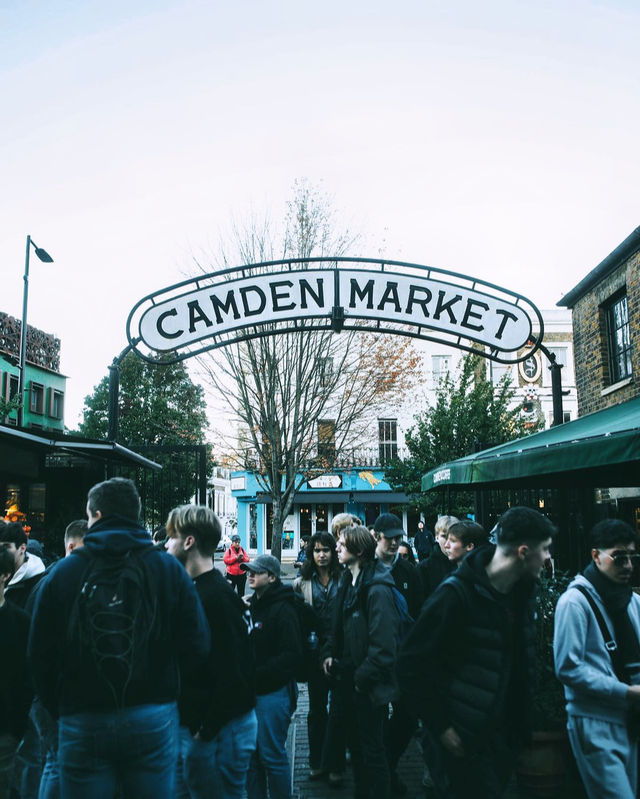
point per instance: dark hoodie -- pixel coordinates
(468, 662)
(62, 679)
(276, 637)
(366, 631)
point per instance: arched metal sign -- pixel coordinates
(337, 294)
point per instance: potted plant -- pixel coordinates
(542, 766)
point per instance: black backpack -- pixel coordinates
(113, 619)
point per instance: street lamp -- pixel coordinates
(44, 256)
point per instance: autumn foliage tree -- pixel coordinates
(298, 397)
(469, 413)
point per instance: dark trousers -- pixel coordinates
(238, 581)
(317, 717)
(364, 727)
(482, 773)
(333, 756)
(398, 731)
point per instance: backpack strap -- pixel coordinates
(609, 641)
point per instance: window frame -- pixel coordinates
(36, 392)
(618, 351)
(54, 394)
(387, 444)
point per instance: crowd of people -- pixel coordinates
(133, 668)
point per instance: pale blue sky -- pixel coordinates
(499, 139)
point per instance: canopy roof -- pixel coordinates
(601, 449)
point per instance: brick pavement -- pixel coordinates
(410, 769)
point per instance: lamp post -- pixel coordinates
(44, 256)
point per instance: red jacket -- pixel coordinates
(233, 558)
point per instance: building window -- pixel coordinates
(326, 371)
(440, 366)
(387, 440)
(618, 338)
(11, 390)
(36, 398)
(327, 440)
(498, 371)
(56, 404)
(562, 358)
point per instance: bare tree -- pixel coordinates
(299, 397)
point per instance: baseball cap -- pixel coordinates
(388, 525)
(235, 538)
(262, 564)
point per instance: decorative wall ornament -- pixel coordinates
(43, 349)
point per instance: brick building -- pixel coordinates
(606, 329)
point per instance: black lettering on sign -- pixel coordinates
(262, 301)
(470, 313)
(196, 314)
(165, 333)
(506, 316)
(218, 306)
(390, 295)
(276, 297)
(413, 300)
(367, 292)
(305, 288)
(446, 306)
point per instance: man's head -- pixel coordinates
(263, 572)
(74, 535)
(235, 540)
(356, 544)
(7, 566)
(388, 534)
(339, 522)
(192, 530)
(117, 496)
(525, 535)
(15, 540)
(615, 549)
(462, 537)
(441, 530)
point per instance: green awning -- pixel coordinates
(601, 449)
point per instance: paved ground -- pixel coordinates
(411, 769)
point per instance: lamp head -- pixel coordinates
(43, 255)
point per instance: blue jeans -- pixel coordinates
(269, 763)
(135, 748)
(217, 769)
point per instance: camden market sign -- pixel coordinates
(336, 294)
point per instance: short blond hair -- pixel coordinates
(339, 522)
(444, 523)
(198, 521)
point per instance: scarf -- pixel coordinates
(616, 599)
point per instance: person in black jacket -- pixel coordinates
(469, 662)
(217, 715)
(15, 688)
(400, 728)
(110, 733)
(360, 657)
(29, 568)
(277, 640)
(437, 566)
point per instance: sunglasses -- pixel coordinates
(621, 558)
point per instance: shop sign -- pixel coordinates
(334, 294)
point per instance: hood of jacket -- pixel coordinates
(374, 573)
(473, 569)
(116, 535)
(277, 592)
(31, 567)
